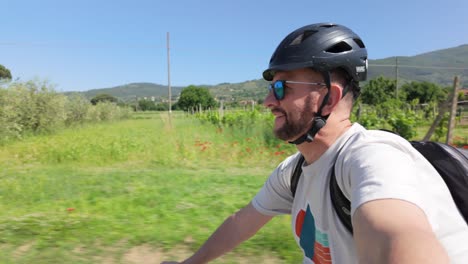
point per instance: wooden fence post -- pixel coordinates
(221, 109)
(443, 107)
(453, 112)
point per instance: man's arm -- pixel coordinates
(235, 229)
(395, 231)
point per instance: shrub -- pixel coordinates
(403, 124)
(77, 107)
(38, 108)
(9, 128)
(35, 108)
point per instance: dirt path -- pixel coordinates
(142, 254)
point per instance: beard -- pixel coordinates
(296, 122)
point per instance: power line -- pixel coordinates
(416, 66)
(79, 45)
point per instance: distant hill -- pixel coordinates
(429, 66)
(248, 90)
(128, 92)
(438, 67)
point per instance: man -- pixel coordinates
(402, 211)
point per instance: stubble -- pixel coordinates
(296, 123)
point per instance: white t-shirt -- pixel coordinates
(372, 165)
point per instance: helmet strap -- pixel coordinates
(319, 120)
(317, 123)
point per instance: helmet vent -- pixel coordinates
(340, 47)
(328, 26)
(299, 39)
(360, 43)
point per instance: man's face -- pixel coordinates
(294, 113)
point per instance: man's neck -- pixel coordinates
(326, 136)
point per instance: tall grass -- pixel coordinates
(157, 141)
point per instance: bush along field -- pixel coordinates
(34, 108)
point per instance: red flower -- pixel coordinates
(70, 209)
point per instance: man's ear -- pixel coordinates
(334, 97)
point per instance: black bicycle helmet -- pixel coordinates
(323, 47)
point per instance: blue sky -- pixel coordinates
(84, 44)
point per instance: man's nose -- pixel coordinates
(270, 100)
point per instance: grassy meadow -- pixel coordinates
(135, 191)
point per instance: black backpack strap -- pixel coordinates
(341, 204)
(296, 175)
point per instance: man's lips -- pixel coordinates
(278, 112)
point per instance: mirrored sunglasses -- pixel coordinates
(279, 86)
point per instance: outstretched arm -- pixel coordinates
(395, 231)
(234, 230)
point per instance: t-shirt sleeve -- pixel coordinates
(275, 197)
(380, 171)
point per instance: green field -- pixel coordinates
(134, 191)
(137, 191)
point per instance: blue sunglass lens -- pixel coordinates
(278, 89)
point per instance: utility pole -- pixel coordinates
(396, 77)
(169, 75)
(221, 109)
(136, 103)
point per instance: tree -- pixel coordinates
(146, 105)
(425, 92)
(162, 107)
(378, 90)
(103, 98)
(462, 96)
(5, 73)
(193, 96)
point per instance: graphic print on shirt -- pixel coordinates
(312, 241)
